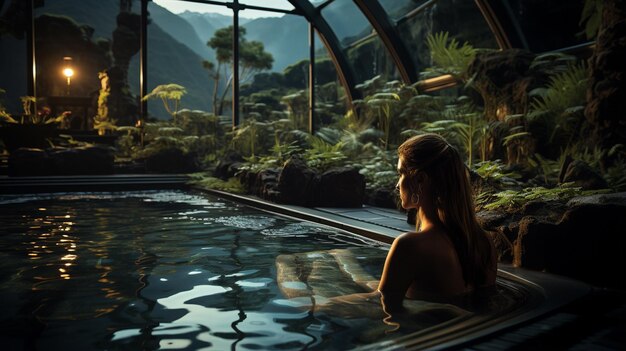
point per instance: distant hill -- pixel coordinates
(205, 24)
(286, 37)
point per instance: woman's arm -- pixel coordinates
(398, 272)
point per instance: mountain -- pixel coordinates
(180, 29)
(286, 38)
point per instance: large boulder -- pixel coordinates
(171, 160)
(340, 187)
(82, 160)
(62, 161)
(29, 162)
(295, 182)
(583, 238)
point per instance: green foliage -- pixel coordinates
(383, 103)
(495, 171)
(323, 156)
(379, 170)
(591, 17)
(514, 199)
(104, 127)
(203, 181)
(447, 56)
(549, 168)
(169, 94)
(252, 59)
(559, 107)
(298, 107)
(251, 137)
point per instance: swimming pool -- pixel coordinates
(182, 270)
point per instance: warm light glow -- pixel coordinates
(68, 72)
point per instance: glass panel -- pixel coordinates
(14, 62)
(398, 8)
(347, 32)
(176, 55)
(180, 6)
(461, 19)
(365, 52)
(369, 58)
(537, 24)
(274, 4)
(281, 91)
(330, 95)
(318, 2)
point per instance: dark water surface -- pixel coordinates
(173, 270)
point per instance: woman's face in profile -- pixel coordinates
(403, 186)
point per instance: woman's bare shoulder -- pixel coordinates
(420, 242)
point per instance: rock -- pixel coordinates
(82, 160)
(382, 197)
(538, 234)
(592, 244)
(340, 187)
(267, 184)
(584, 176)
(295, 182)
(600, 199)
(62, 161)
(228, 166)
(170, 160)
(29, 162)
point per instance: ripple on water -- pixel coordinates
(296, 230)
(245, 222)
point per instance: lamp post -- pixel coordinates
(68, 71)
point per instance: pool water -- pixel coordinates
(175, 270)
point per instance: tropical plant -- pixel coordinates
(383, 104)
(251, 137)
(170, 95)
(297, 105)
(447, 56)
(496, 172)
(558, 108)
(591, 17)
(232, 185)
(517, 198)
(322, 155)
(252, 59)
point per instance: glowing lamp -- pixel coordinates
(68, 71)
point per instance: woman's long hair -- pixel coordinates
(452, 196)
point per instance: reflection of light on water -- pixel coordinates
(245, 222)
(174, 344)
(214, 326)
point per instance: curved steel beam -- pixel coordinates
(377, 16)
(331, 42)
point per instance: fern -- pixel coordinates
(516, 199)
(560, 105)
(447, 56)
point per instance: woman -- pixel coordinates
(448, 255)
